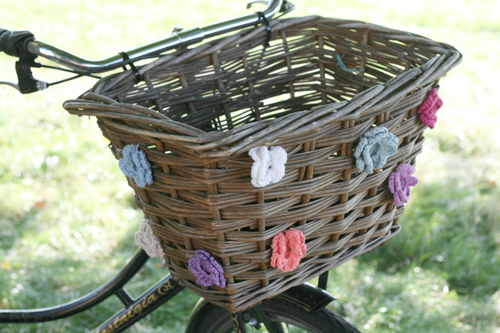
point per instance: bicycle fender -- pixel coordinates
(307, 296)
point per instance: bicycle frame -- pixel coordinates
(157, 295)
(305, 296)
(134, 310)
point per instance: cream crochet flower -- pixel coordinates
(147, 239)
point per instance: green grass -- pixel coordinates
(67, 216)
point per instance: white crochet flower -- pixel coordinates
(147, 239)
(269, 165)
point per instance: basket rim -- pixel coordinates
(208, 144)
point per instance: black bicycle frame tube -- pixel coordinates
(157, 295)
(114, 286)
(263, 319)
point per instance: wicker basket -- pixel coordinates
(199, 111)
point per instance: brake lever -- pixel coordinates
(39, 85)
(11, 84)
(27, 83)
(15, 44)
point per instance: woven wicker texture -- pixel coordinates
(200, 110)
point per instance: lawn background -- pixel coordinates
(67, 217)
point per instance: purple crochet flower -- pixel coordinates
(207, 269)
(400, 182)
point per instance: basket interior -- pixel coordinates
(244, 83)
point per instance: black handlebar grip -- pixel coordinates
(1, 33)
(10, 39)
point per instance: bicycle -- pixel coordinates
(303, 306)
(167, 288)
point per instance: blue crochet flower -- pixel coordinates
(373, 149)
(134, 164)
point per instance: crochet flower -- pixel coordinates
(148, 240)
(400, 182)
(268, 166)
(207, 269)
(373, 149)
(288, 248)
(428, 109)
(134, 164)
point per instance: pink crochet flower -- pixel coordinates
(288, 248)
(400, 182)
(427, 110)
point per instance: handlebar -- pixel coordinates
(22, 44)
(10, 39)
(181, 38)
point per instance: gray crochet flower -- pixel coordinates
(373, 149)
(135, 165)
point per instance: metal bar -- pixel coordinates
(80, 304)
(323, 280)
(262, 317)
(182, 38)
(125, 297)
(154, 297)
